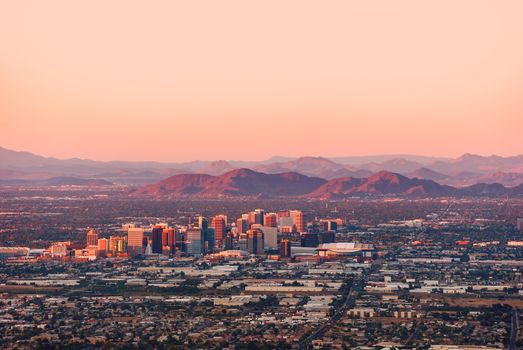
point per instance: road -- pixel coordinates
(350, 300)
(514, 329)
(414, 335)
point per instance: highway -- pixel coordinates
(514, 329)
(350, 300)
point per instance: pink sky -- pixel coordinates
(183, 80)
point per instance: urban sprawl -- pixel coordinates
(318, 277)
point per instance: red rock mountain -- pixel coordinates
(382, 183)
(239, 182)
(245, 182)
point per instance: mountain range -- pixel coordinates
(250, 183)
(469, 169)
(238, 182)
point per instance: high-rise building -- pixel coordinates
(520, 224)
(117, 244)
(219, 224)
(242, 225)
(135, 240)
(156, 245)
(255, 241)
(165, 237)
(285, 248)
(92, 238)
(103, 246)
(227, 242)
(328, 237)
(179, 240)
(309, 239)
(259, 215)
(209, 237)
(169, 239)
(286, 225)
(250, 218)
(270, 237)
(242, 241)
(298, 220)
(194, 241)
(202, 223)
(270, 220)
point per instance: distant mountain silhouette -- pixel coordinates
(467, 178)
(397, 165)
(464, 171)
(217, 168)
(483, 189)
(313, 166)
(427, 174)
(507, 179)
(479, 164)
(58, 181)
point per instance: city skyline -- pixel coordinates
(175, 82)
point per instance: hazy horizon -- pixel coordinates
(275, 156)
(178, 81)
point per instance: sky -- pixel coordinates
(235, 79)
